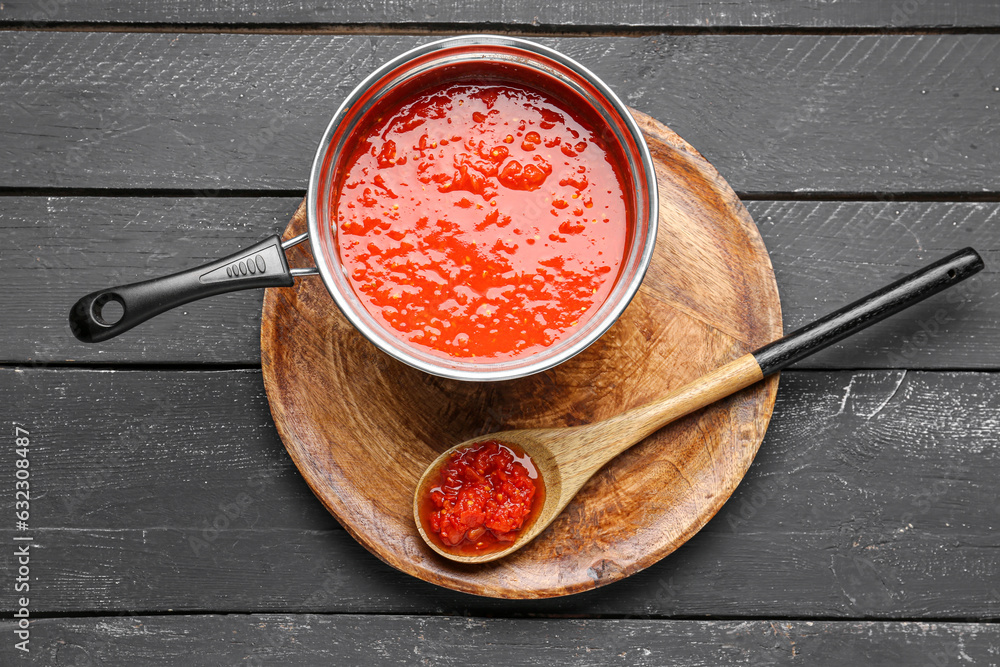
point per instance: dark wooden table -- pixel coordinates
(169, 525)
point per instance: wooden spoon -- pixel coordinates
(567, 457)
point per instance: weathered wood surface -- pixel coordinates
(708, 296)
(873, 495)
(825, 254)
(512, 14)
(775, 114)
(213, 640)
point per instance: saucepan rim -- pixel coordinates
(460, 49)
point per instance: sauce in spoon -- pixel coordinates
(479, 499)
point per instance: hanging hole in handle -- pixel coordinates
(952, 274)
(108, 309)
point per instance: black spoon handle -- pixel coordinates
(867, 311)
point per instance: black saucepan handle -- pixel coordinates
(261, 265)
(875, 307)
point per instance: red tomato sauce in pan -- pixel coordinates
(481, 220)
(484, 494)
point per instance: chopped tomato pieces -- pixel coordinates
(484, 495)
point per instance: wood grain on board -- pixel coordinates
(862, 114)
(350, 639)
(825, 254)
(572, 15)
(708, 297)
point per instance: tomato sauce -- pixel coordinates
(485, 493)
(481, 220)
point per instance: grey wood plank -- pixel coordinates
(516, 14)
(825, 254)
(775, 113)
(400, 640)
(873, 495)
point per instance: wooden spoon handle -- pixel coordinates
(640, 422)
(631, 427)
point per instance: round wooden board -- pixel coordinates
(361, 427)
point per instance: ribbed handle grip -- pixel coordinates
(261, 265)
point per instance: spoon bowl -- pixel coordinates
(537, 444)
(566, 458)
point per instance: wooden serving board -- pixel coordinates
(361, 427)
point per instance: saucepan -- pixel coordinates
(265, 265)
